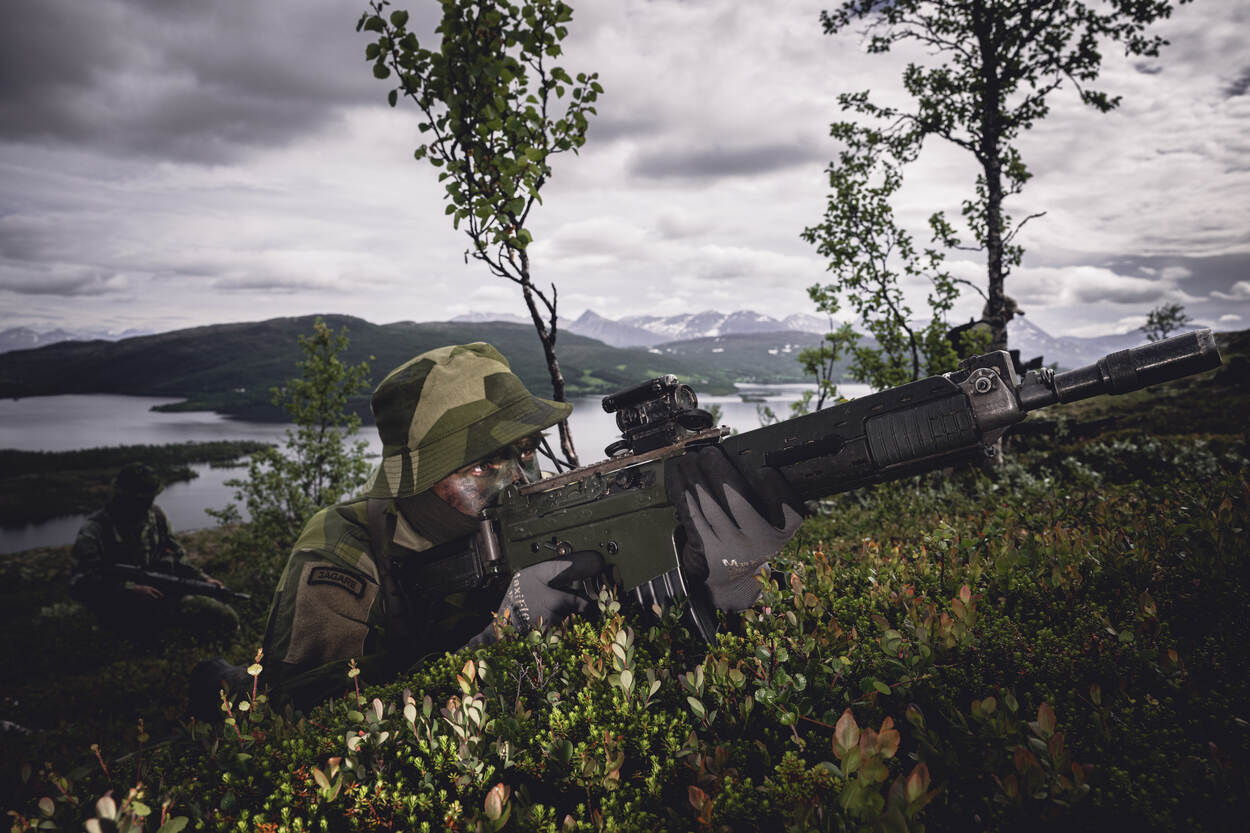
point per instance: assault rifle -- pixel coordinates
(619, 507)
(172, 584)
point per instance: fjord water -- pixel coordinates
(66, 423)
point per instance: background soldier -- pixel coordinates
(131, 530)
(369, 578)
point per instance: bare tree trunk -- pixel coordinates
(991, 164)
(547, 335)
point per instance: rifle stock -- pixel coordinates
(619, 507)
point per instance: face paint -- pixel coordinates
(476, 486)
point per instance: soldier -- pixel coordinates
(457, 427)
(131, 530)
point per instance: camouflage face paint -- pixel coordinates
(478, 485)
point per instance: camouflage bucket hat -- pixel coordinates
(446, 409)
(138, 479)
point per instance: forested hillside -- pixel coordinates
(231, 367)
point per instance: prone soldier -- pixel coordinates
(369, 578)
(132, 534)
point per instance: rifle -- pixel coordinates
(619, 507)
(172, 584)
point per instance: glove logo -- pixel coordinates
(329, 575)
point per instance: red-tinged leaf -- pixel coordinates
(965, 595)
(845, 733)
(887, 739)
(917, 783)
(496, 799)
(1023, 759)
(1056, 747)
(320, 778)
(1046, 719)
(697, 797)
(867, 744)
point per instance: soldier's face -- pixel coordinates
(478, 485)
(128, 509)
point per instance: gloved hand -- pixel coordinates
(731, 528)
(546, 592)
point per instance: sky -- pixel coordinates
(173, 163)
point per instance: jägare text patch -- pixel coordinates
(339, 578)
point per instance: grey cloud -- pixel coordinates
(706, 162)
(1206, 274)
(608, 126)
(189, 81)
(273, 282)
(64, 282)
(1238, 86)
(1148, 69)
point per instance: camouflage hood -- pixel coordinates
(446, 409)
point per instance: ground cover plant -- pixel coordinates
(1059, 646)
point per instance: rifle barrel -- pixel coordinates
(1139, 367)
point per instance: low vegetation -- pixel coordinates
(1059, 646)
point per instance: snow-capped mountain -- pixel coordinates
(24, 338)
(482, 317)
(615, 333)
(1069, 351)
(650, 330)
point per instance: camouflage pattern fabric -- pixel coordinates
(448, 408)
(329, 608)
(150, 545)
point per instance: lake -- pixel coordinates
(65, 423)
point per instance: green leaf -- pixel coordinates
(392, 97)
(381, 71)
(174, 825)
(399, 19)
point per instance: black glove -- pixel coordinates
(546, 593)
(732, 527)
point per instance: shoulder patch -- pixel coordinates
(339, 578)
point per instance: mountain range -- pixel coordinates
(24, 338)
(652, 330)
(230, 368)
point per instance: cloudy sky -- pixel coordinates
(170, 163)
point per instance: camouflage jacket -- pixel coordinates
(151, 546)
(330, 605)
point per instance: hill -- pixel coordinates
(230, 368)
